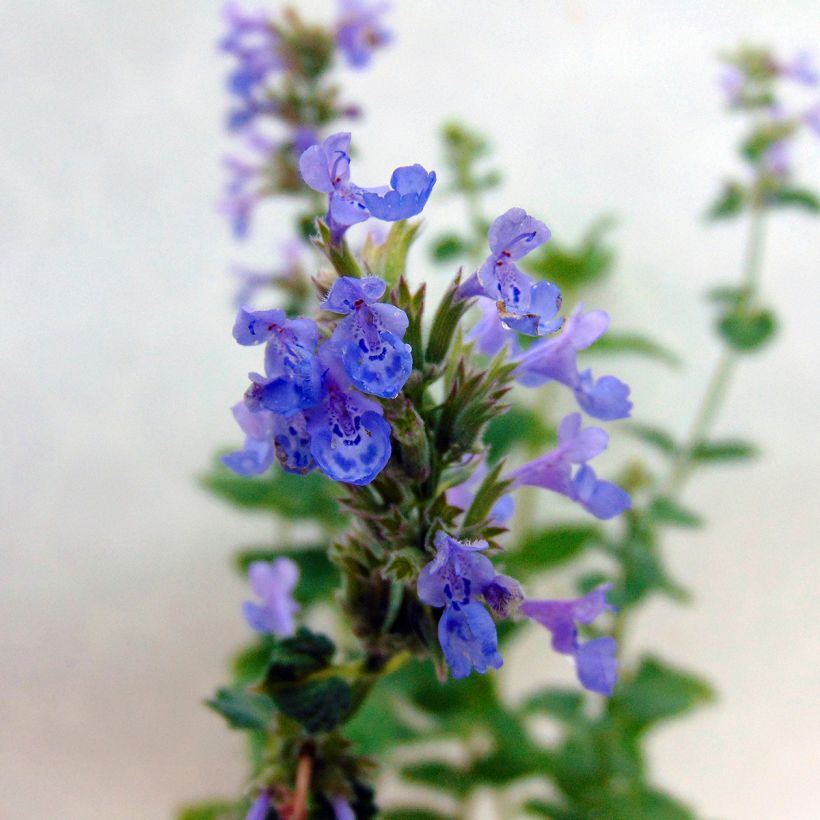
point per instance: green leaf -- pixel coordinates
(243, 709)
(447, 247)
(319, 705)
(216, 809)
(659, 692)
(489, 492)
(654, 436)
(636, 344)
(439, 775)
(727, 450)
(294, 497)
(297, 657)
(550, 810)
(518, 426)
(564, 704)
(667, 511)
(548, 548)
(414, 814)
(730, 203)
(796, 197)
(318, 577)
(389, 259)
(251, 663)
(747, 330)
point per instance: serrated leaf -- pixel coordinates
(667, 511)
(727, 450)
(548, 548)
(313, 496)
(659, 692)
(636, 344)
(319, 705)
(747, 330)
(318, 576)
(243, 709)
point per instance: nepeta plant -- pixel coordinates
(403, 436)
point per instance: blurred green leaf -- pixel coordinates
(730, 202)
(318, 577)
(414, 814)
(566, 705)
(727, 450)
(654, 436)
(635, 343)
(796, 197)
(747, 330)
(312, 496)
(547, 548)
(668, 511)
(659, 692)
(216, 809)
(518, 426)
(319, 705)
(300, 655)
(448, 246)
(440, 776)
(251, 663)
(243, 709)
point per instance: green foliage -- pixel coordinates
(448, 314)
(786, 196)
(215, 809)
(730, 203)
(658, 692)
(540, 550)
(293, 497)
(488, 493)
(448, 247)
(243, 709)
(319, 705)
(295, 658)
(748, 329)
(636, 344)
(389, 259)
(706, 452)
(567, 705)
(573, 267)
(654, 436)
(414, 814)
(519, 426)
(668, 511)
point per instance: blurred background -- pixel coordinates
(118, 607)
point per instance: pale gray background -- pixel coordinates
(117, 366)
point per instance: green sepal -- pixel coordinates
(446, 319)
(388, 260)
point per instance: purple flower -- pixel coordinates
(778, 158)
(410, 189)
(812, 118)
(489, 333)
(359, 31)
(369, 338)
(522, 304)
(257, 455)
(292, 379)
(732, 80)
(555, 359)
(457, 573)
(341, 808)
(261, 806)
(595, 661)
(239, 200)
(273, 583)
(462, 496)
(291, 442)
(468, 639)
(553, 470)
(802, 69)
(326, 168)
(254, 42)
(349, 439)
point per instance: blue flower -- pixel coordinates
(349, 439)
(274, 583)
(291, 442)
(410, 187)
(257, 455)
(359, 31)
(595, 661)
(292, 379)
(457, 573)
(370, 336)
(553, 470)
(523, 305)
(260, 807)
(555, 360)
(468, 639)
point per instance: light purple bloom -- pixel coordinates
(410, 188)
(291, 442)
(239, 199)
(261, 806)
(802, 69)
(349, 438)
(359, 31)
(553, 470)
(778, 158)
(341, 808)
(596, 664)
(555, 359)
(469, 639)
(457, 572)
(522, 304)
(273, 583)
(489, 333)
(812, 118)
(257, 455)
(369, 338)
(292, 379)
(732, 80)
